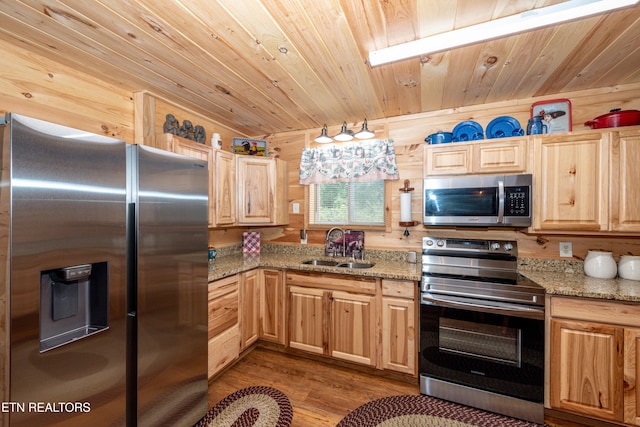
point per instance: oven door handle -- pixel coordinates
(495, 307)
(500, 202)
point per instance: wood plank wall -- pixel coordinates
(408, 133)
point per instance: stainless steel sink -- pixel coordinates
(355, 265)
(338, 264)
(320, 262)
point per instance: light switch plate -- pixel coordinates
(296, 208)
(566, 249)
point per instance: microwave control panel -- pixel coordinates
(516, 201)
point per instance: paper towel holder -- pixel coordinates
(405, 208)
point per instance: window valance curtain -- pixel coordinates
(364, 161)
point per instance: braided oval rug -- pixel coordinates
(256, 406)
(420, 411)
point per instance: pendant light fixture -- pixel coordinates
(345, 134)
(364, 133)
(324, 137)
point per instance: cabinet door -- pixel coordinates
(224, 330)
(500, 157)
(256, 190)
(271, 305)
(448, 159)
(570, 193)
(631, 376)
(587, 368)
(353, 333)
(399, 335)
(225, 188)
(307, 319)
(625, 176)
(250, 308)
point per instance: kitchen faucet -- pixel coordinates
(343, 240)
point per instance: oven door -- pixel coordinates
(484, 345)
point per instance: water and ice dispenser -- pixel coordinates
(74, 303)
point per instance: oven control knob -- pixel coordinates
(440, 243)
(429, 242)
(495, 246)
(508, 246)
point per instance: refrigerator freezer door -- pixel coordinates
(170, 193)
(63, 195)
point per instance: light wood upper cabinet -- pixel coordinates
(624, 182)
(261, 185)
(256, 192)
(500, 156)
(186, 147)
(478, 157)
(447, 159)
(569, 189)
(225, 188)
(594, 361)
(587, 182)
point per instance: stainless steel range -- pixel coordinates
(481, 328)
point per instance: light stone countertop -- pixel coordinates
(388, 264)
(567, 278)
(558, 277)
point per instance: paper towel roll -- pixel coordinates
(405, 207)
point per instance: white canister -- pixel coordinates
(629, 267)
(600, 265)
(216, 142)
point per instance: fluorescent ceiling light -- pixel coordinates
(525, 21)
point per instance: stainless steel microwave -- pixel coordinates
(478, 201)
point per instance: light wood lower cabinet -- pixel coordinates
(272, 299)
(399, 328)
(224, 327)
(352, 335)
(362, 320)
(333, 315)
(594, 358)
(307, 319)
(250, 308)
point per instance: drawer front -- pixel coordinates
(223, 313)
(399, 288)
(332, 282)
(609, 312)
(223, 349)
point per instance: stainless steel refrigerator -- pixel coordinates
(104, 260)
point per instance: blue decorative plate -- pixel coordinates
(467, 131)
(504, 127)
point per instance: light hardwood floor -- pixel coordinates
(321, 393)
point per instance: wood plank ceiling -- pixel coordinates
(267, 66)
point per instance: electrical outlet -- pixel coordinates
(566, 249)
(296, 207)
